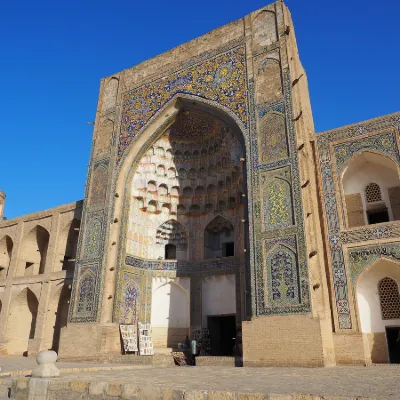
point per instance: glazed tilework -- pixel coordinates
(93, 237)
(216, 266)
(99, 184)
(390, 230)
(221, 79)
(277, 199)
(272, 138)
(84, 293)
(383, 143)
(363, 256)
(279, 265)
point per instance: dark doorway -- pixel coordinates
(170, 252)
(393, 341)
(228, 249)
(377, 216)
(222, 333)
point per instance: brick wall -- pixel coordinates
(349, 348)
(282, 340)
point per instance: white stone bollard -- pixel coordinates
(46, 368)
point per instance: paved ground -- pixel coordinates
(10, 364)
(381, 382)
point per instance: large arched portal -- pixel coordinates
(186, 219)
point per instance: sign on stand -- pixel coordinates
(129, 337)
(145, 341)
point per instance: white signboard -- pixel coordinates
(129, 337)
(145, 341)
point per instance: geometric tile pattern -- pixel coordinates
(330, 154)
(281, 279)
(390, 298)
(221, 79)
(363, 256)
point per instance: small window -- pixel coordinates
(28, 265)
(170, 252)
(228, 249)
(389, 298)
(373, 193)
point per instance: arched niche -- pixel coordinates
(33, 252)
(283, 286)
(21, 323)
(219, 239)
(371, 291)
(170, 311)
(6, 249)
(203, 137)
(67, 246)
(130, 305)
(363, 172)
(56, 315)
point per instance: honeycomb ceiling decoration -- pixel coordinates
(193, 169)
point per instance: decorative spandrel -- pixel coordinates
(221, 79)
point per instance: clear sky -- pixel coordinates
(54, 54)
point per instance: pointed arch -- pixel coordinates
(6, 250)
(21, 323)
(370, 188)
(33, 253)
(67, 246)
(283, 287)
(272, 144)
(130, 305)
(85, 296)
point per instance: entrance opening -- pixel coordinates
(228, 249)
(170, 252)
(222, 334)
(393, 341)
(378, 216)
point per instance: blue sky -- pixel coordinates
(55, 53)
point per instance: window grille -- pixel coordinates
(373, 193)
(389, 298)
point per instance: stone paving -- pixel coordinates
(24, 365)
(381, 382)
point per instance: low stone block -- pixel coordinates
(150, 393)
(216, 395)
(56, 385)
(113, 389)
(130, 391)
(97, 388)
(80, 387)
(250, 396)
(196, 395)
(171, 394)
